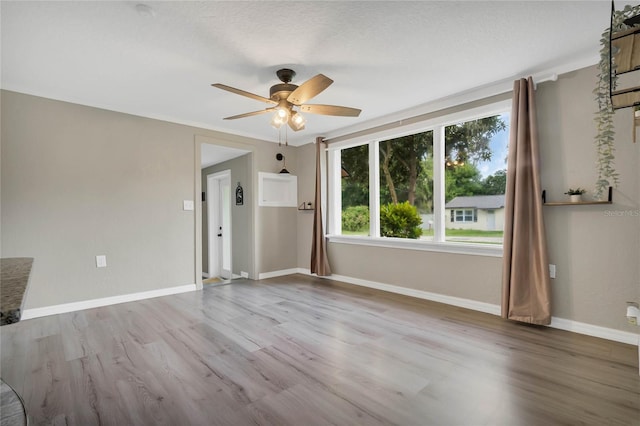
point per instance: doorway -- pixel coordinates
(219, 226)
(238, 238)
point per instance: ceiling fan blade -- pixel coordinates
(244, 93)
(249, 114)
(309, 89)
(331, 110)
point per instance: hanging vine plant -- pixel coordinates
(604, 141)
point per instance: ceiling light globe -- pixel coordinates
(277, 121)
(297, 121)
(298, 118)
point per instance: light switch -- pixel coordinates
(101, 261)
(187, 205)
(552, 270)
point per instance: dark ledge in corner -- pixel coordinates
(14, 277)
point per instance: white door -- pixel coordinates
(491, 220)
(219, 223)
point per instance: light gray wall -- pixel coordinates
(240, 215)
(469, 277)
(79, 182)
(595, 249)
(278, 243)
(306, 192)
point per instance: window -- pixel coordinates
(440, 181)
(406, 177)
(354, 178)
(468, 215)
(475, 178)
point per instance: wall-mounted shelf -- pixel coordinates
(579, 203)
(625, 52)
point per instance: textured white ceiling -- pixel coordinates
(384, 56)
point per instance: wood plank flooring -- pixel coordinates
(11, 409)
(298, 350)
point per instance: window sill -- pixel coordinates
(490, 250)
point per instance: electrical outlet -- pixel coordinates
(552, 270)
(244, 274)
(187, 205)
(101, 261)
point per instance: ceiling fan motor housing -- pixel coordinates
(281, 91)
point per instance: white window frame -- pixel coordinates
(439, 244)
(474, 215)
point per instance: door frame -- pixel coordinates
(252, 225)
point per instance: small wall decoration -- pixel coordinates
(239, 195)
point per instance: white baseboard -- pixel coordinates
(596, 331)
(96, 303)
(489, 308)
(420, 294)
(205, 275)
(281, 273)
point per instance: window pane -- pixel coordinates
(468, 216)
(406, 186)
(355, 190)
(475, 178)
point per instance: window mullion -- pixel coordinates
(438, 184)
(374, 189)
(334, 191)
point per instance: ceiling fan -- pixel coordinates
(285, 96)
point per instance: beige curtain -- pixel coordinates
(525, 277)
(319, 259)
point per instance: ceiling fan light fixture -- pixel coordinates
(277, 121)
(283, 113)
(297, 121)
(281, 116)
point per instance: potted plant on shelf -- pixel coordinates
(575, 194)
